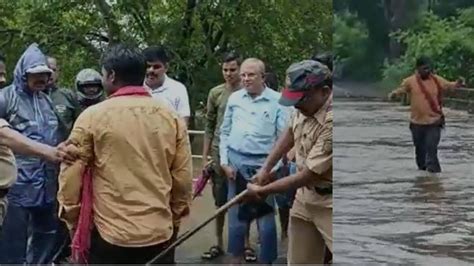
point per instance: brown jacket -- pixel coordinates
(141, 159)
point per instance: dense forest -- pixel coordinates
(197, 33)
(379, 40)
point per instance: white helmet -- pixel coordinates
(87, 77)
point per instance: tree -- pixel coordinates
(197, 32)
(399, 14)
(384, 19)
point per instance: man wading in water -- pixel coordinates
(427, 117)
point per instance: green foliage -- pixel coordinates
(350, 35)
(449, 42)
(382, 57)
(352, 47)
(198, 33)
(448, 8)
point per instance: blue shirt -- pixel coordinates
(252, 126)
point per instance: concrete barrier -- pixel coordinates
(461, 99)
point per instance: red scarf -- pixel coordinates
(131, 90)
(81, 241)
(435, 107)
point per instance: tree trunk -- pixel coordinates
(395, 13)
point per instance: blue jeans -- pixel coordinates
(39, 223)
(246, 165)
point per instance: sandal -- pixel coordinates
(249, 255)
(214, 252)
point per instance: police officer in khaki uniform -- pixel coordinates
(309, 89)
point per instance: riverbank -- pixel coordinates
(356, 89)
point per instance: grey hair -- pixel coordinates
(259, 63)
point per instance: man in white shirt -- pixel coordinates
(162, 87)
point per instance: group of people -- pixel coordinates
(39, 116)
(125, 179)
(245, 118)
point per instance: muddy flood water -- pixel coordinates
(386, 211)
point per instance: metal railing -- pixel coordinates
(199, 133)
(196, 132)
(197, 156)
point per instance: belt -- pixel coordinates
(3, 192)
(248, 154)
(323, 191)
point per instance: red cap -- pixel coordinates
(289, 97)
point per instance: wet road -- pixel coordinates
(203, 207)
(386, 211)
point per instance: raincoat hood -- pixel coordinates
(32, 114)
(31, 59)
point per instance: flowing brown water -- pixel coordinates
(386, 211)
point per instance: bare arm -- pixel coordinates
(317, 164)
(205, 149)
(282, 146)
(23, 145)
(211, 122)
(183, 108)
(300, 179)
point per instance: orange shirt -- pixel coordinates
(142, 178)
(421, 112)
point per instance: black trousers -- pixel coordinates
(102, 252)
(63, 244)
(426, 139)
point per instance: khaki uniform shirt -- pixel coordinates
(142, 174)
(421, 112)
(8, 171)
(313, 147)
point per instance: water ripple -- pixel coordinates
(385, 210)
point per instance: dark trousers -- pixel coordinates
(21, 223)
(102, 252)
(63, 244)
(426, 139)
